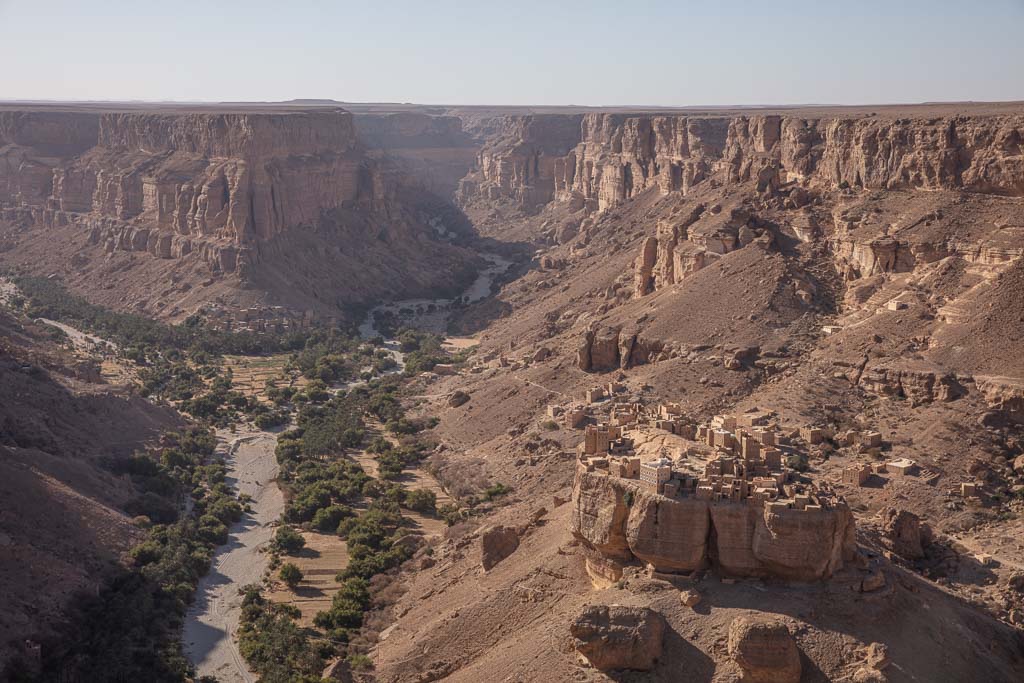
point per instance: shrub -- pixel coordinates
(274, 645)
(422, 500)
(451, 514)
(347, 606)
(288, 541)
(496, 490)
(798, 462)
(359, 662)
(327, 519)
(290, 574)
(272, 419)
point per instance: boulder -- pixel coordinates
(903, 529)
(458, 398)
(497, 543)
(618, 637)
(689, 598)
(566, 231)
(866, 674)
(874, 581)
(764, 650)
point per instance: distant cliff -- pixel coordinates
(240, 191)
(605, 159)
(175, 183)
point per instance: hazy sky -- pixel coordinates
(515, 52)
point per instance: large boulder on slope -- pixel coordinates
(614, 637)
(497, 543)
(764, 650)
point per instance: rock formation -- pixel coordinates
(764, 650)
(608, 348)
(171, 183)
(435, 151)
(617, 637)
(497, 543)
(521, 160)
(905, 532)
(287, 200)
(617, 519)
(603, 159)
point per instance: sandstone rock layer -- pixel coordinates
(618, 519)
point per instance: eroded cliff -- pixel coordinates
(230, 189)
(603, 159)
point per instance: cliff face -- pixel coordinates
(605, 159)
(435, 150)
(171, 184)
(522, 159)
(689, 534)
(287, 201)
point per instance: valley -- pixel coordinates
(414, 393)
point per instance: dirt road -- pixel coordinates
(210, 625)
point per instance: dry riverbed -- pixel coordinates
(211, 623)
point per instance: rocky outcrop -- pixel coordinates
(671, 535)
(764, 650)
(904, 532)
(919, 386)
(618, 519)
(686, 243)
(600, 513)
(1003, 393)
(610, 348)
(599, 350)
(618, 637)
(621, 156)
(803, 544)
(228, 180)
(497, 543)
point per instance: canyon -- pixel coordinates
(850, 268)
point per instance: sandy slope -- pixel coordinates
(213, 619)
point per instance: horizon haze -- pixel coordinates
(658, 54)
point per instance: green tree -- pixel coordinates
(291, 575)
(422, 500)
(288, 540)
